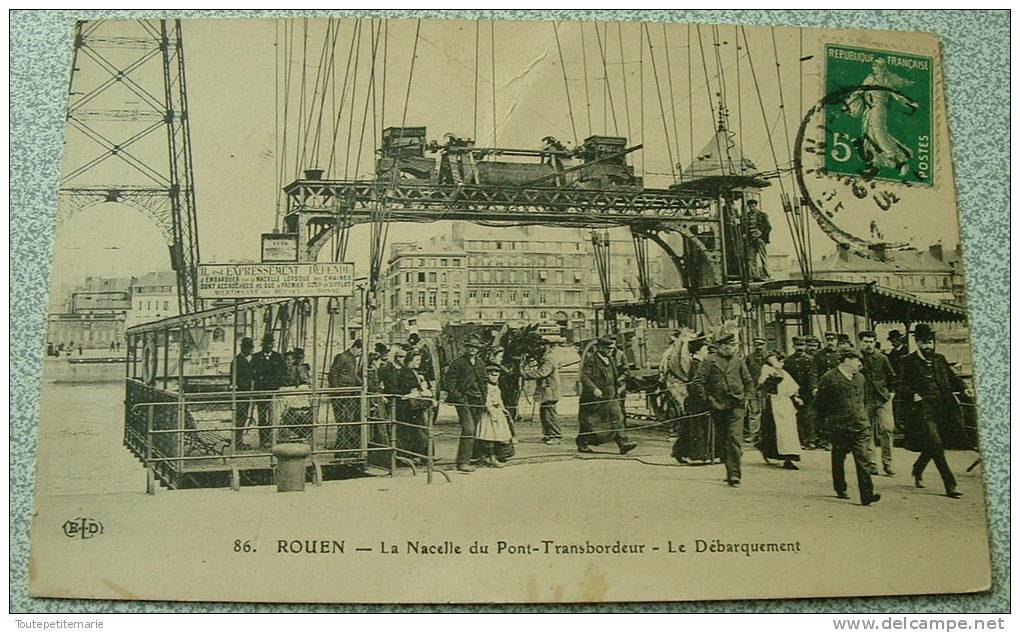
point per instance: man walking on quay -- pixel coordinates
(546, 375)
(345, 373)
(840, 402)
(801, 368)
(241, 377)
(600, 416)
(725, 383)
(268, 371)
(879, 380)
(928, 384)
(465, 385)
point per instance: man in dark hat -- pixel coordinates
(755, 361)
(840, 402)
(801, 368)
(269, 371)
(465, 385)
(880, 381)
(600, 415)
(928, 383)
(241, 375)
(724, 381)
(896, 354)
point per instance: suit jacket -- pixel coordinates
(840, 401)
(464, 382)
(879, 378)
(241, 371)
(343, 372)
(269, 371)
(726, 381)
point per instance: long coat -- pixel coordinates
(240, 369)
(599, 416)
(934, 419)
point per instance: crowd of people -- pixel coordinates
(838, 397)
(846, 399)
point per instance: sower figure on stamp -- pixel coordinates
(928, 384)
(600, 416)
(840, 403)
(269, 371)
(879, 381)
(725, 383)
(241, 374)
(465, 385)
(345, 373)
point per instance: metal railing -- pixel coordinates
(180, 435)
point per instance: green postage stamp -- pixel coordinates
(880, 126)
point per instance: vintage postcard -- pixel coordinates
(393, 310)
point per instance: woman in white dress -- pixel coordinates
(779, 437)
(494, 426)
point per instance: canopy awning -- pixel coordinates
(880, 304)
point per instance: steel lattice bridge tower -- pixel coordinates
(128, 137)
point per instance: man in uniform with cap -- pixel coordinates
(600, 416)
(465, 384)
(801, 368)
(755, 361)
(927, 384)
(825, 358)
(724, 381)
(840, 402)
(880, 380)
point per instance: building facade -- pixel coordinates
(513, 275)
(153, 297)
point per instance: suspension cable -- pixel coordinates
(584, 61)
(474, 121)
(354, 92)
(662, 109)
(492, 61)
(672, 98)
(301, 98)
(608, 87)
(623, 73)
(343, 94)
(566, 85)
(369, 96)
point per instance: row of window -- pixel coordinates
(432, 299)
(430, 262)
(499, 245)
(152, 290)
(519, 276)
(149, 304)
(410, 278)
(489, 296)
(577, 320)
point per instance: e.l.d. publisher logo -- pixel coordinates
(82, 528)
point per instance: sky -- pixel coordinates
(238, 88)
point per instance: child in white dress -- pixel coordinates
(494, 425)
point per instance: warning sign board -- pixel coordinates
(271, 281)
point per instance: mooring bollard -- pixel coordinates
(290, 466)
